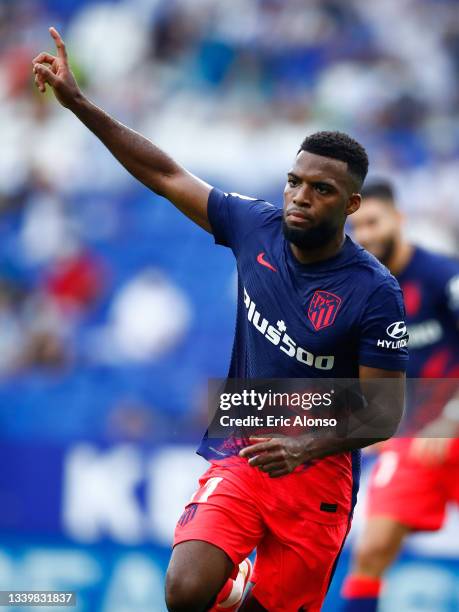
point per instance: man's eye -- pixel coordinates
(322, 189)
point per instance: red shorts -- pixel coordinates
(409, 492)
(239, 508)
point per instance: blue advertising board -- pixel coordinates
(99, 519)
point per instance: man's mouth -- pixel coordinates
(298, 216)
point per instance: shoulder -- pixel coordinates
(238, 199)
(431, 263)
(437, 270)
(233, 216)
(242, 207)
(254, 205)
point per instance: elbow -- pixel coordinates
(390, 427)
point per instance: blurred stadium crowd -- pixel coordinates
(108, 298)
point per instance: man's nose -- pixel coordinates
(303, 197)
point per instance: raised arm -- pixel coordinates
(137, 154)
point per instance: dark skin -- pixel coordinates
(146, 162)
(318, 187)
(279, 456)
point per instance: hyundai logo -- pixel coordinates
(396, 330)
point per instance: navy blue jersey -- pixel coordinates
(318, 320)
(430, 283)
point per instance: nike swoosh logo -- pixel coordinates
(261, 260)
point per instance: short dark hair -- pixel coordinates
(338, 145)
(380, 189)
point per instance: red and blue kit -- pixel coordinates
(319, 320)
(414, 494)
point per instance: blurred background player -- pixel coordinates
(413, 479)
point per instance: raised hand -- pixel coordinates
(55, 71)
(145, 161)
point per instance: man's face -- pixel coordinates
(318, 196)
(377, 227)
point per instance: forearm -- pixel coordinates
(377, 427)
(137, 154)
(319, 448)
(279, 456)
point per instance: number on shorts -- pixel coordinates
(388, 462)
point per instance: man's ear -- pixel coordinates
(353, 204)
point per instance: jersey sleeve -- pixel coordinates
(383, 332)
(233, 217)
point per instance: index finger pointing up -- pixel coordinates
(61, 51)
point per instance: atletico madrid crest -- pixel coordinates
(323, 309)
